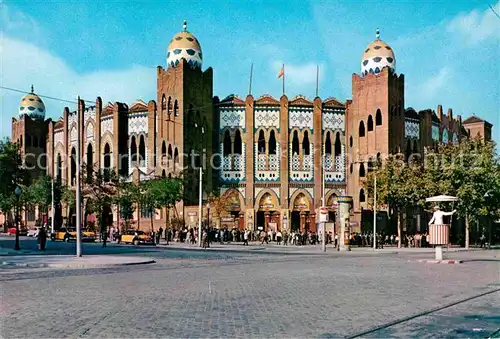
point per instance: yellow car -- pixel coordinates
(136, 237)
(69, 234)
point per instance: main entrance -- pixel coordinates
(268, 216)
(332, 206)
(234, 216)
(303, 220)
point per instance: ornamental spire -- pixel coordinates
(185, 25)
(32, 90)
(377, 34)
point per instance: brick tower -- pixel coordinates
(375, 117)
(185, 115)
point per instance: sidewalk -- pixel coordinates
(70, 261)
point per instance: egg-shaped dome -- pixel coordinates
(32, 106)
(184, 45)
(377, 55)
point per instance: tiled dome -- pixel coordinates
(377, 55)
(184, 45)
(32, 106)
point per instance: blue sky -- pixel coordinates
(449, 51)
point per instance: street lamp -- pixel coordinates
(208, 214)
(486, 200)
(17, 192)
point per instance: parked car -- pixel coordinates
(69, 234)
(33, 232)
(136, 237)
(22, 231)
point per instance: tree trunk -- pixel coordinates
(399, 229)
(466, 231)
(151, 218)
(104, 233)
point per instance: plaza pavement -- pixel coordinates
(255, 294)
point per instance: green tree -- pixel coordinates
(128, 196)
(40, 193)
(166, 192)
(473, 169)
(12, 174)
(100, 192)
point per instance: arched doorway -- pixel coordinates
(332, 207)
(233, 216)
(302, 218)
(268, 216)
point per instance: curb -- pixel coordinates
(6, 264)
(426, 261)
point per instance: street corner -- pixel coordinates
(72, 262)
(433, 261)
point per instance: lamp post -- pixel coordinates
(17, 192)
(208, 214)
(200, 193)
(486, 200)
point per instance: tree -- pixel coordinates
(68, 196)
(473, 169)
(100, 193)
(166, 192)
(12, 174)
(40, 193)
(128, 196)
(220, 202)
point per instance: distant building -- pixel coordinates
(270, 150)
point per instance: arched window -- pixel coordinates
(362, 197)
(350, 141)
(369, 124)
(21, 141)
(59, 166)
(351, 167)
(73, 166)
(361, 128)
(28, 140)
(362, 172)
(176, 156)
(261, 143)
(163, 174)
(226, 147)
(169, 107)
(328, 144)
(90, 162)
(142, 151)
(238, 143)
(295, 143)
(35, 141)
(338, 145)
(170, 153)
(107, 156)
(163, 103)
(272, 143)
(163, 149)
(133, 151)
(378, 118)
(306, 149)
(176, 108)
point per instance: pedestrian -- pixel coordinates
(245, 238)
(160, 233)
(278, 238)
(42, 238)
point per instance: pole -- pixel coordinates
(375, 214)
(52, 209)
(17, 247)
(200, 207)
(78, 191)
(323, 204)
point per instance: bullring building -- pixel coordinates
(269, 151)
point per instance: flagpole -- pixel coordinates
(250, 85)
(317, 80)
(283, 68)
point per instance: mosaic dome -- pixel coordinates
(32, 106)
(377, 55)
(184, 45)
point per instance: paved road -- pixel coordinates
(251, 294)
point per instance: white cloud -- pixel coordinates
(431, 87)
(298, 75)
(23, 64)
(476, 26)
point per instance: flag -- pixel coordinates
(282, 72)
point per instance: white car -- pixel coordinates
(33, 232)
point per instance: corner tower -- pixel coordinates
(185, 114)
(375, 117)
